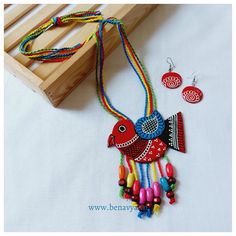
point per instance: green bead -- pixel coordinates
(172, 187)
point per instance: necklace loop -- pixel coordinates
(61, 54)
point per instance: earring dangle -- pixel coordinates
(171, 79)
(192, 94)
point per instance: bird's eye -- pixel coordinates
(122, 128)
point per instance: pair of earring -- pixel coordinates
(173, 80)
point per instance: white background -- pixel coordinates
(56, 160)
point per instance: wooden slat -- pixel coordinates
(49, 38)
(13, 38)
(28, 77)
(6, 5)
(45, 69)
(16, 13)
(63, 80)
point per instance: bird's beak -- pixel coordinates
(111, 141)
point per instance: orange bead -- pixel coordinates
(121, 172)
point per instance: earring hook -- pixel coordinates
(171, 63)
(194, 81)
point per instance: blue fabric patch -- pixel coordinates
(150, 127)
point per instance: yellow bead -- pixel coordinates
(130, 180)
(134, 204)
(156, 208)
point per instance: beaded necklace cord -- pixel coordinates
(58, 55)
(54, 54)
(142, 143)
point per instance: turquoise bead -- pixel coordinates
(165, 184)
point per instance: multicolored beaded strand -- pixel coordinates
(55, 54)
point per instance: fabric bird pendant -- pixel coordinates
(142, 143)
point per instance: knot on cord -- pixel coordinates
(57, 21)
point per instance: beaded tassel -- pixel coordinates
(135, 194)
(156, 190)
(157, 196)
(167, 184)
(122, 176)
(171, 181)
(148, 200)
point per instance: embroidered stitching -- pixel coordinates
(144, 152)
(122, 145)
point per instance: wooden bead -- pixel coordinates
(172, 187)
(136, 187)
(149, 194)
(157, 200)
(126, 196)
(142, 196)
(128, 191)
(122, 182)
(172, 200)
(130, 180)
(121, 172)
(170, 194)
(134, 204)
(165, 184)
(156, 189)
(156, 208)
(149, 205)
(171, 180)
(135, 198)
(169, 170)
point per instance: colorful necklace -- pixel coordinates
(141, 144)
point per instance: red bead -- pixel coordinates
(127, 196)
(149, 205)
(136, 187)
(128, 191)
(171, 180)
(135, 198)
(122, 182)
(169, 170)
(157, 200)
(170, 194)
(172, 200)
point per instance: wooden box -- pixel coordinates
(54, 81)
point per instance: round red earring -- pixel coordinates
(171, 79)
(192, 94)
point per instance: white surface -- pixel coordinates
(56, 160)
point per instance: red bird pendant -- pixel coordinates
(126, 137)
